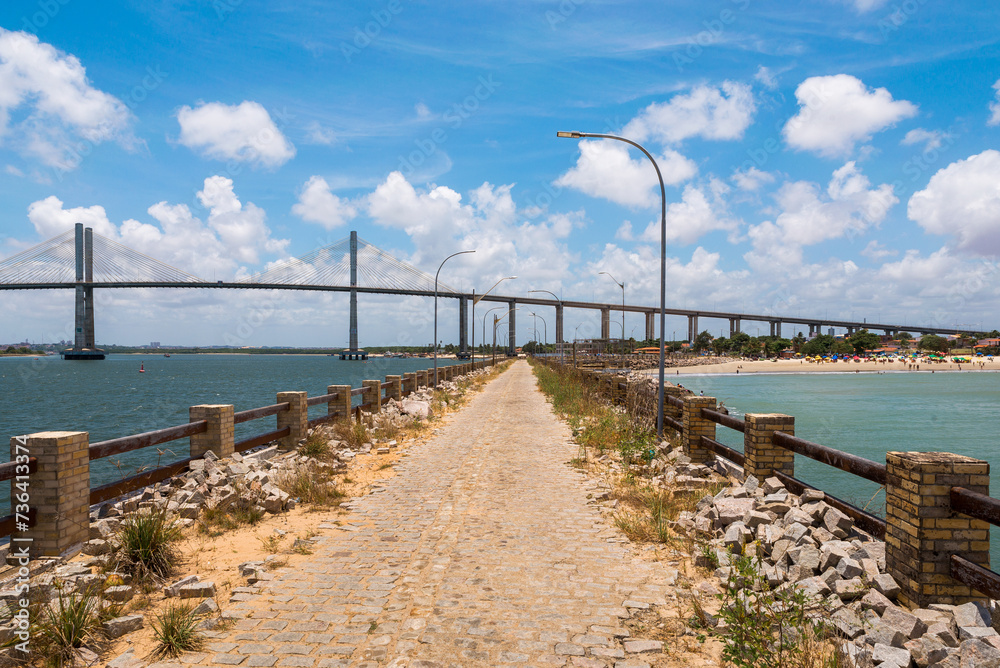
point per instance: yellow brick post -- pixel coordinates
(372, 395)
(295, 417)
(410, 382)
(59, 491)
(922, 532)
(695, 426)
(394, 391)
(340, 407)
(763, 457)
(219, 437)
(422, 379)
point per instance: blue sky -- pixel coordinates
(834, 158)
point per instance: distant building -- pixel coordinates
(830, 331)
(154, 344)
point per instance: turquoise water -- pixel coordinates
(868, 414)
(111, 398)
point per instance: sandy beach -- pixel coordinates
(802, 366)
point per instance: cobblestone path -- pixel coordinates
(481, 551)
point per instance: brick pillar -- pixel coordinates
(695, 426)
(422, 379)
(409, 382)
(296, 416)
(220, 435)
(763, 457)
(923, 532)
(59, 491)
(340, 407)
(372, 395)
(395, 391)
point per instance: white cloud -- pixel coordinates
(994, 118)
(836, 112)
(624, 231)
(962, 200)
(13, 171)
(932, 139)
(605, 169)
(752, 179)
(766, 77)
(318, 205)
(875, 251)
(707, 112)
(243, 132)
(423, 111)
(850, 206)
(61, 115)
(317, 134)
(865, 6)
(694, 216)
(233, 233)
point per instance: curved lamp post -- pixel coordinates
(546, 330)
(558, 343)
(436, 311)
(475, 301)
(496, 321)
(663, 256)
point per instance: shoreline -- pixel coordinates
(795, 366)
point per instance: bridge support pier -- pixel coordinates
(734, 327)
(84, 346)
(605, 323)
(463, 325)
(559, 323)
(650, 325)
(692, 328)
(511, 343)
(354, 293)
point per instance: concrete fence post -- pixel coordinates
(922, 531)
(763, 457)
(395, 391)
(59, 491)
(409, 382)
(340, 407)
(695, 426)
(219, 437)
(372, 395)
(295, 417)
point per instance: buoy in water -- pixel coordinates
(142, 368)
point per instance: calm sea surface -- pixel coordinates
(868, 414)
(110, 398)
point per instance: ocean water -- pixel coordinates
(869, 414)
(110, 398)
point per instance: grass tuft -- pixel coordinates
(310, 484)
(175, 630)
(144, 545)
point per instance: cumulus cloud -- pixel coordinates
(244, 132)
(994, 118)
(317, 134)
(318, 205)
(931, 139)
(836, 112)
(875, 251)
(766, 78)
(61, 115)
(751, 179)
(850, 206)
(962, 201)
(707, 112)
(700, 211)
(233, 234)
(605, 169)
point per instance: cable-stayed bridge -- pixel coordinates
(83, 261)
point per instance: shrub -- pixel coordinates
(69, 623)
(310, 484)
(175, 629)
(143, 545)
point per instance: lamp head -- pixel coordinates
(569, 135)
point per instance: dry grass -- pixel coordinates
(310, 484)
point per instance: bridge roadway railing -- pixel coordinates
(938, 508)
(49, 472)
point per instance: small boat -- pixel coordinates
(166, 354)
(142, 368)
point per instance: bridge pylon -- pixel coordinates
(84, 346)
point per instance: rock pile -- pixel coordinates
(805, 543)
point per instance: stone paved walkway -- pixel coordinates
(481, 551)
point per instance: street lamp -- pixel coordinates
(562, 353)
(496, 321)
(436, 311)
(622, 286)
(475, 301)
(663, 257)
(544, 324)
